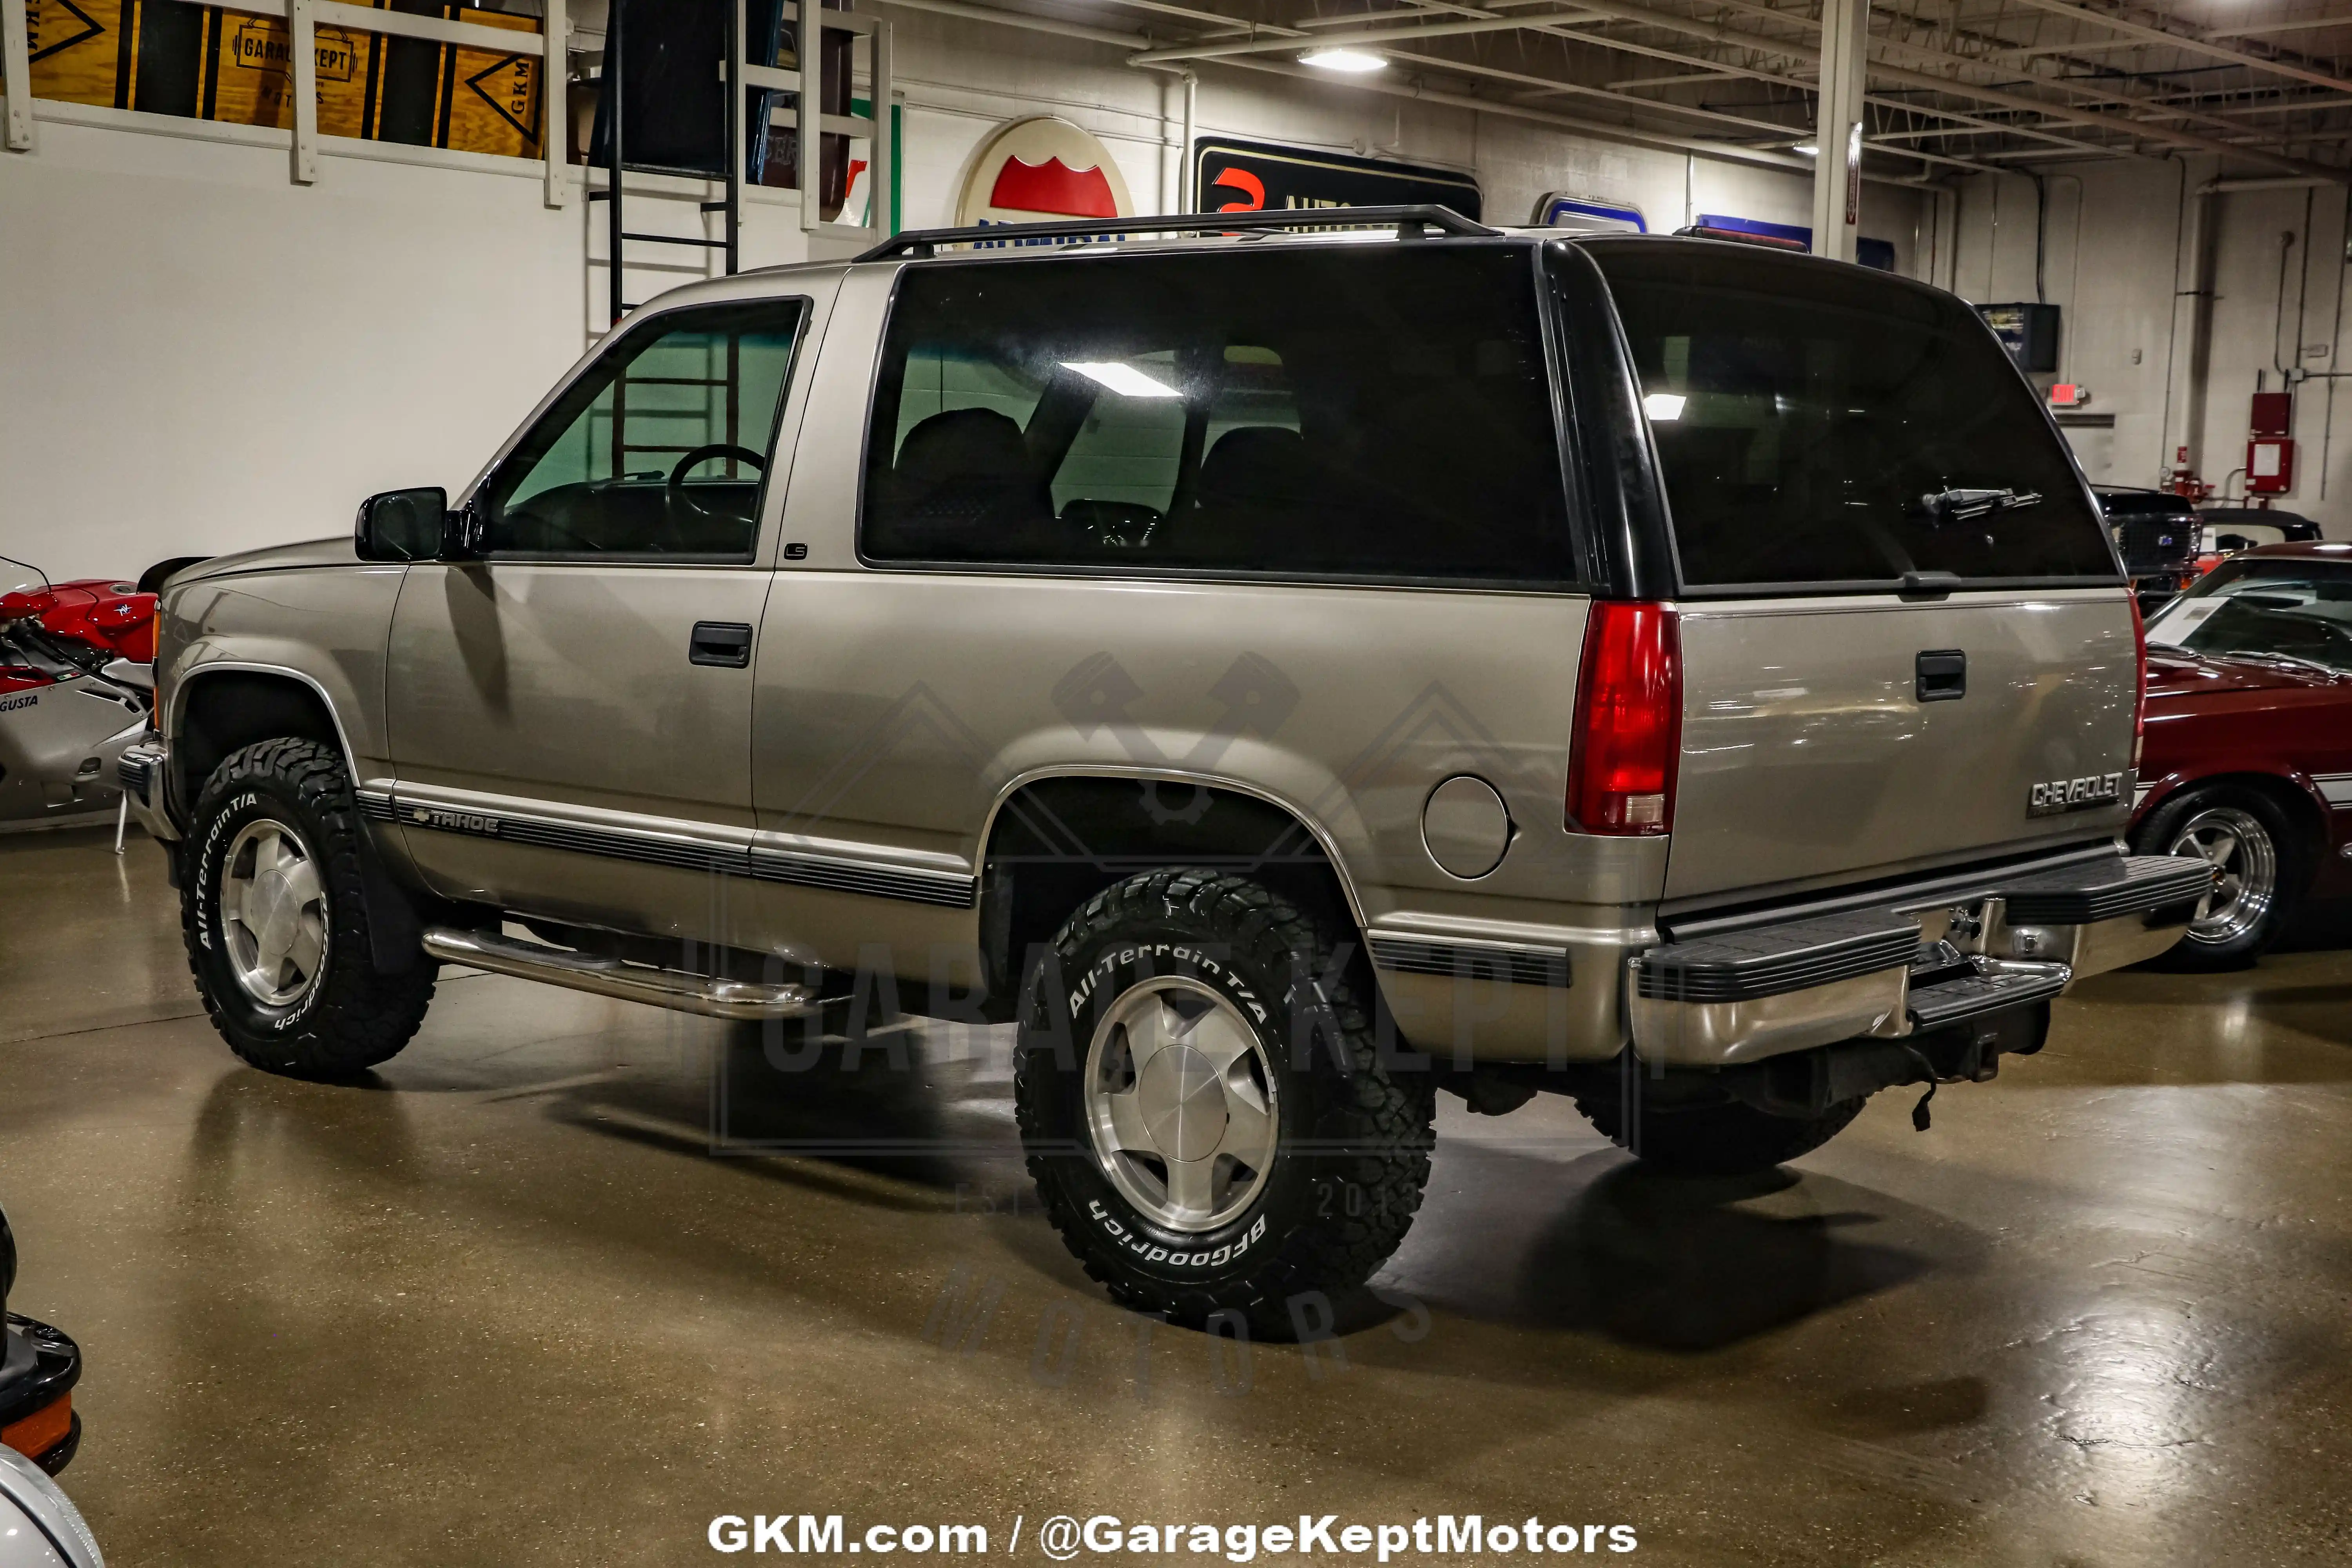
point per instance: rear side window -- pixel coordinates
(1376, 411)
(1820, 425)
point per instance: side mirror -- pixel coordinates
(402, 525)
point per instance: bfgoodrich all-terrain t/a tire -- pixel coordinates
(273, 907)
(1211, 1127)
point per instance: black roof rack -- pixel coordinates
(1410, 222)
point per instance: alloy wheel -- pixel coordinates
(273, 913)
(2241, 850)
(1181, 1100)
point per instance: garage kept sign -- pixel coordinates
(1248, 176)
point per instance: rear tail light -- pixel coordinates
(1629, 721)
(2140, 687)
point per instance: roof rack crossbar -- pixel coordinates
(1409, 221)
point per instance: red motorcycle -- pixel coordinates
(76, 686)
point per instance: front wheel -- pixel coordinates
(273, 907)
(1207, 1117)
(2259, 856)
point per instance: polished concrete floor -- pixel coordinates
(512, 1302)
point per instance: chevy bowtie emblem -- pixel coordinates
(2052, 796)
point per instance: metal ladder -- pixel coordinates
(807, 85)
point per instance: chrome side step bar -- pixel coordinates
(712, 996)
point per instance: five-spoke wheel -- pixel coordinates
(273, 912)
(1181, 1103)
(2262, 856)
(2242, 852)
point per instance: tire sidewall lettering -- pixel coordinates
(1104, 978)
(247, 804)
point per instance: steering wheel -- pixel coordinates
(677, 493)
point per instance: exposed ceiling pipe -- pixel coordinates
(1987, 49)
(1543, 22)
(1373, 37)
(2283, 183)
(1721, 151)
(1026, 21)
(1212, 19)
(1187, 198)
(1721, 68)
(1751, 73)
(2084, 92)
(2189, 44)
(1900, 76)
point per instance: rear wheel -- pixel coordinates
(1208, 1123)
(273, 908)
(1720, 1138)
(2260, 857)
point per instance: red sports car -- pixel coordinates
(2249, 753)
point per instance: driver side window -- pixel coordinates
(661, 449)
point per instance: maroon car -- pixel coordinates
(2248, 759)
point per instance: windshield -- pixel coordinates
(1821, 425)
(2281, 609)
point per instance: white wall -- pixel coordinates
(2115, 261)
(198, 357)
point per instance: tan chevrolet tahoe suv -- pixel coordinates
(1285, 673)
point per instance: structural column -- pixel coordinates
(1837, 128)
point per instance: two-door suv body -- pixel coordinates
(1285, 673)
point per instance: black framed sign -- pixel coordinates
(1251, 176)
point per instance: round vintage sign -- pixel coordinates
(1035, 171)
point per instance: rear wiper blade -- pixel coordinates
(1942, 507)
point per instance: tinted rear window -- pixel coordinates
(1805, 414)
(1376, 410)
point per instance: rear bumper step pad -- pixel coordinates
(1771, 960)
(2107, 889)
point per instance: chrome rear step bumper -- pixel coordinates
(1770, 988)
(712, 996)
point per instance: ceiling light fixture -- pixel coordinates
(1123, 379)
(1353, 61)
(1664, 406)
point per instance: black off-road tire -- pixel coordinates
(1354, 1131)
(1723, 1138)
(352, 1016)
(2290, 874)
